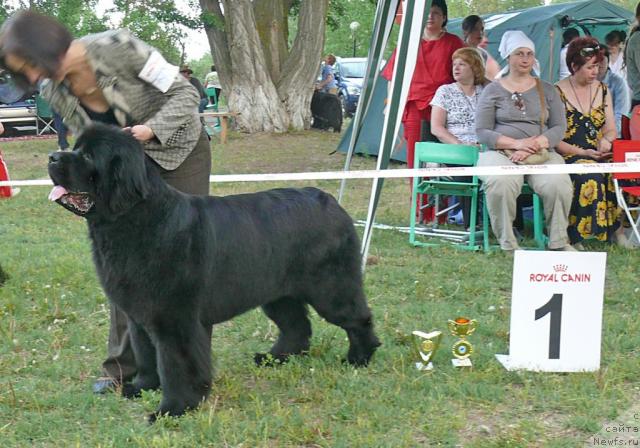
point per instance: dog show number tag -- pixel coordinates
(556, 311)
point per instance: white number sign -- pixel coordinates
(556, 311)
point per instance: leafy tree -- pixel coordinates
(5, 10)
(267, 80)
(463, 8)
(157, 22)
(77, 15)
(201, 66)
(339, 37)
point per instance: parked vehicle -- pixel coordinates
(350, 73)
(17, 107)
(18, 113)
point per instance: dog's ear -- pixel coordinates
(121, 173)
(127, 184)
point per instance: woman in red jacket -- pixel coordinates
(433, 69)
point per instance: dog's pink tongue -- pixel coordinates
(57, 192)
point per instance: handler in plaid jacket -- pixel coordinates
(115, 78)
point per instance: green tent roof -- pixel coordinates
(545, 24)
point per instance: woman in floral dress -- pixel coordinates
(590, 131)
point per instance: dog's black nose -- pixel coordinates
(54, 156)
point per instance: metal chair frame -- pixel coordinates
(44, 115)
(623, 151)
(448, 154)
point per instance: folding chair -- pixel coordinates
(627, 151)
(44, 116)
(463, 155)
(211, 93)
(538, 220)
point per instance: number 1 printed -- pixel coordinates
(553, 307)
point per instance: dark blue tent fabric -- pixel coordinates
(373, 121)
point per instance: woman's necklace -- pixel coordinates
(426, 35)
(582, 109)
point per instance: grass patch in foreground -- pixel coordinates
(54, 323)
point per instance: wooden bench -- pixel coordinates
(224, 117)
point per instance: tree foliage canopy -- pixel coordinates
(78, 15)
(157, 22)
(269, 48)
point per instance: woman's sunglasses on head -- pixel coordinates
(587, 52)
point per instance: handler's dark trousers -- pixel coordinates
(192, 176)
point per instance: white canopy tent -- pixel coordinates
(411, 27)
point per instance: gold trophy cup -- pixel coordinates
(462, 349)
(426, 345)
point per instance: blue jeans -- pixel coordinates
(61, 129)
(203, 104)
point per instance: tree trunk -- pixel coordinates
(296, 86)
(253, 93)
(269, 92)
(216, 29)
(273, 29)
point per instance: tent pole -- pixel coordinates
(385, 13)
(413, 21)
(552, 56)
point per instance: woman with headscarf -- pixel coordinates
(520, 116)
(591, 129)
(114, 78)
(433, 69)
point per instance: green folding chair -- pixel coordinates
(448, 154)
(44, 116)
(539, 237)
(211, 93)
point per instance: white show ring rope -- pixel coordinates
(577, 168)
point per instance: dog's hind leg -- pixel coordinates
(145, 354)
(290, 315)
(183, 350)
(346, 307)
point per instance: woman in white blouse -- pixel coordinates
(453, 108)
(453, 116)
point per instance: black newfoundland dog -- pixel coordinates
(176, 264)
(326, 110)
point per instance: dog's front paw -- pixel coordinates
(269, 360)
(168, 411)
(130, 391)
(151, 418)
(358, 360)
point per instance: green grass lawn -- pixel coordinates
(54, 323)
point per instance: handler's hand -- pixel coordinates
(605, 156)
(529, 145)
(519, 156)
(592, 153)
(604, 145)
(1, 128)
(141, 132)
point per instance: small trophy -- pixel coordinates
(426, 344)
(462, 327)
